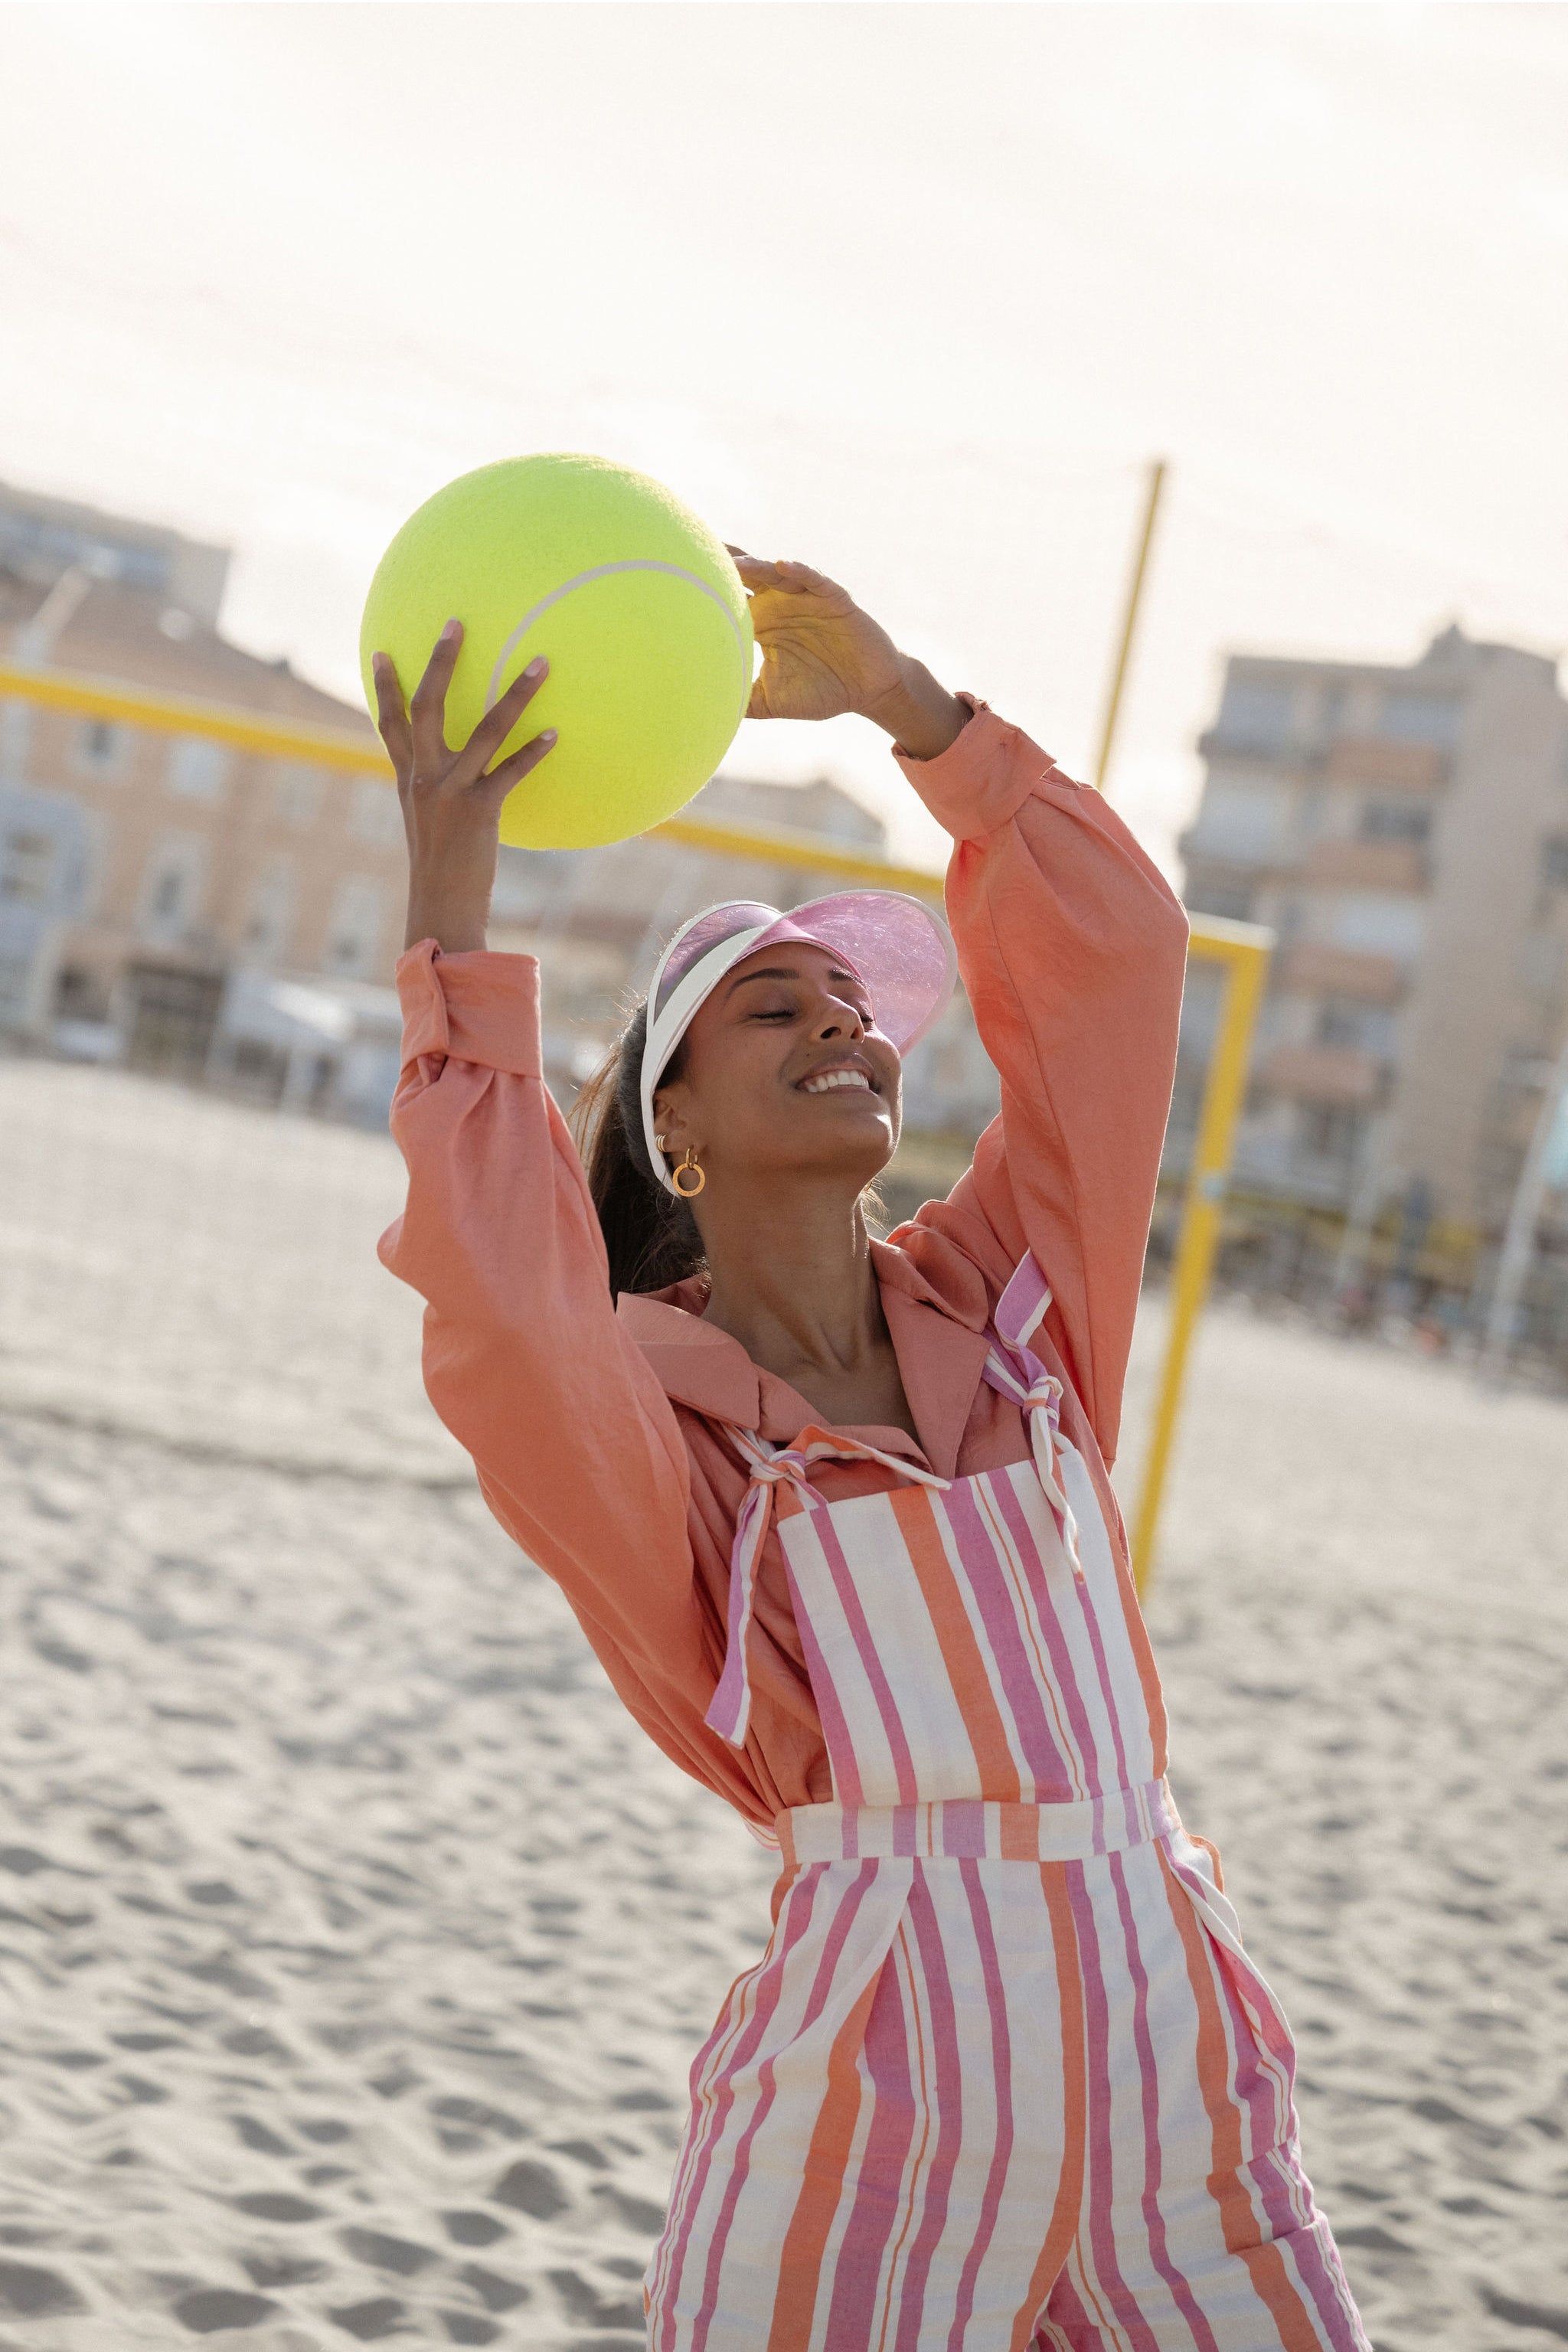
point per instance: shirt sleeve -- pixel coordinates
(1073, 950)
(578, 1450)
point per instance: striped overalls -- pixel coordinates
(1004, 2075)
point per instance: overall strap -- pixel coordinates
(1013, 1369)
(771, 1466)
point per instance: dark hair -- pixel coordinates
(651, 1237)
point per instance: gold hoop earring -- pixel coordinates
(689, 1168)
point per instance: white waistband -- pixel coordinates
(975, 1828)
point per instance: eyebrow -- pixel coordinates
(786, 971)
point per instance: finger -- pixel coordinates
(522, 763)
(391, 716)
(801, 575)
(496, 725)
(754, 571)
(428, 708)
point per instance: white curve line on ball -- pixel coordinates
(603, 571)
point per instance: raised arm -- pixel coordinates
(577, 1447)
(1073, 948)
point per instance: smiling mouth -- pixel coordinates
(829, 1081)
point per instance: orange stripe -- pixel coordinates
(961, 1654)
(1069, 2202)
(1239, 2217)
(822, 2184)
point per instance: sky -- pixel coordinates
(912, 292)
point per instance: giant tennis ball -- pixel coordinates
(636, 604)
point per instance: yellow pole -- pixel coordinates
(246, 730)
(1244, 951)
(1128, 622)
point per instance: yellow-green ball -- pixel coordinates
(636, 604)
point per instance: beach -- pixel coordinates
(354, 1945)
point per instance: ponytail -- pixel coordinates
(651, 1237)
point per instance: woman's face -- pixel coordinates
(786, 1071)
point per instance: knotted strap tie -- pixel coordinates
(771, 1466)
(1038, 1396)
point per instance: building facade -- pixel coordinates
(139, 870)
(1405, 832)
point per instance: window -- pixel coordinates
(375, 815)
(1374, 924)
(172, 888)
(1255, 714)
(1248, 822)
(198, 770)
(1421, 718)
(296, 793)
(1367, 1027)
(27, 867)
(269, 923)
(354, 931)
(1230, 900)
(15, 989)
(102, 747)
(1329, 1131)
(1395, 820)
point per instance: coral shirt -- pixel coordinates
(599, 1432)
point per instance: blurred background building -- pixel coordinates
(221, 918)
(1405, 832)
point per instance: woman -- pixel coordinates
(835, 1515)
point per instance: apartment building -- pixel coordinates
(138, 870)
(1404, 832)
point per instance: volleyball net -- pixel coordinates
(178, 1262)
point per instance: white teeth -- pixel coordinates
(819, 1085)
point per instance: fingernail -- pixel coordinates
(453, 625)
(548, 736)
(537, 667)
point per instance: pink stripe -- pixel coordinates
(1099, 2165)
(878, 2185)
(686, 2201)
(730, 1711)
(1002, 2080)
(1026, 1291)
(1116, 1776)
(1063, 1677)
(943, 2160)
(838, 1738)
(1203, 2335)
(1022, 1685)
(832, 1949)
(875, 1672)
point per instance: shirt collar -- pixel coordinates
(940, 1360)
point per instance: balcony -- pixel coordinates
(1346, 864)
(1323, 1073)
(1311, 970)
(1386, 765)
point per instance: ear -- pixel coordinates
(670, 1117)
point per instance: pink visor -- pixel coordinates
(900, 949)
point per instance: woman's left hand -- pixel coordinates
(823, 656)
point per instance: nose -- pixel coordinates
(837, 1019)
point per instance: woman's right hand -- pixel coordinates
(452, 799)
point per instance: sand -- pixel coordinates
(353, 1945)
